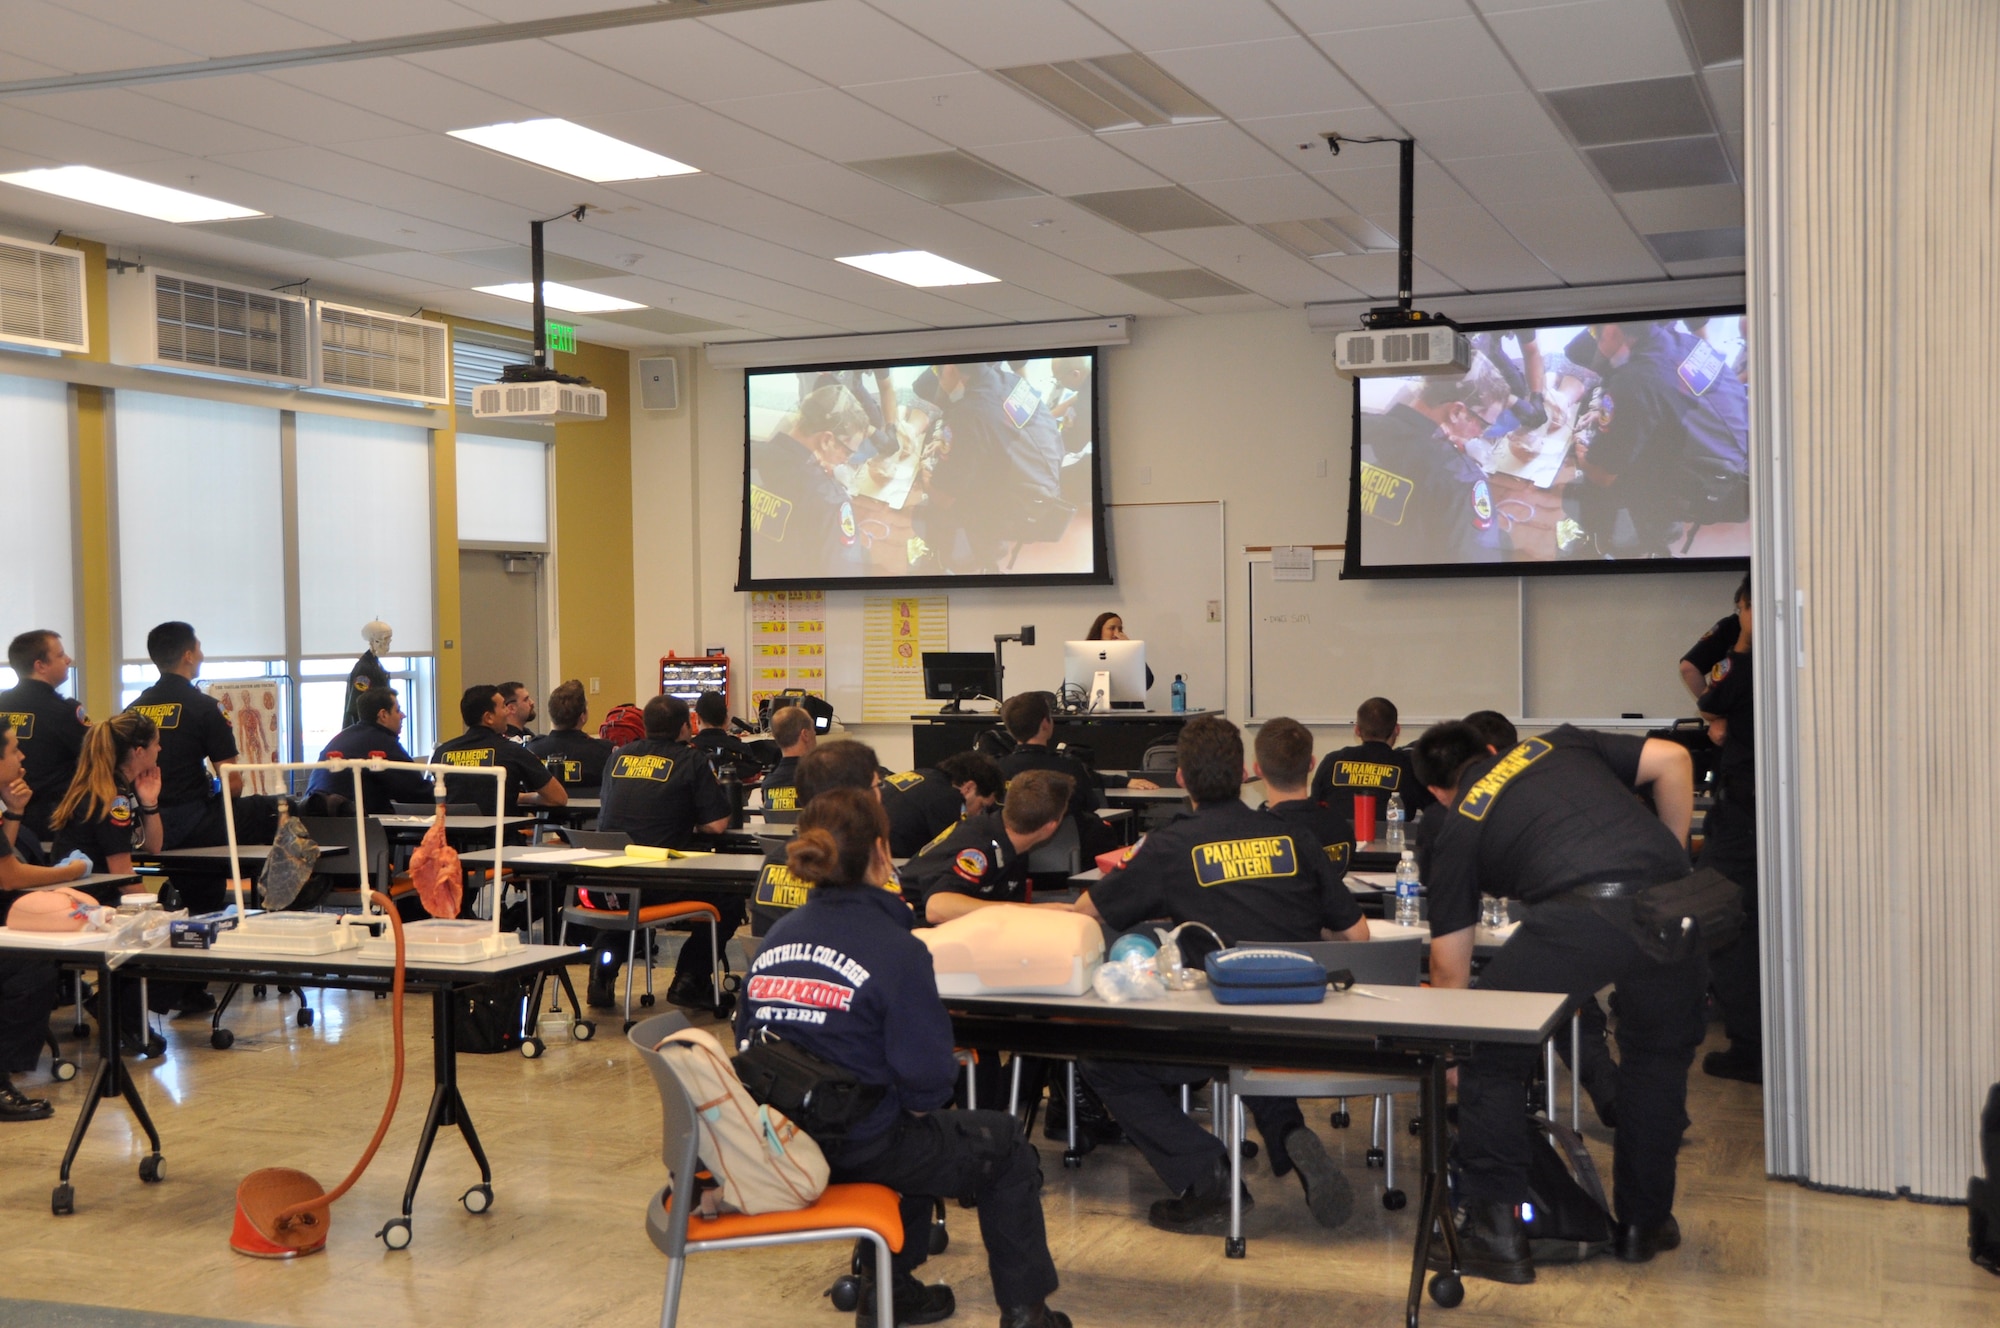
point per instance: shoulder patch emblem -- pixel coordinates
(1265, 857)
(1479, 799)
(970, 863)
(779, 887)
(1367, 775)
(23, 722)
(655, 768)
(1703, 365)
(1482, 505)
(902, 783)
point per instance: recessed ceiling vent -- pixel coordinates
(1111, 92)
(41, 296)
(163, 320)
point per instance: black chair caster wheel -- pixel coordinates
(63, 1201)
(1072, 1159)
(732, 983)
(845, 1293)
(725, 1005)
(1248, 1148)
(1374, 1157)
(149, 1169)
(1235, 1247)
(583, 1030)
(395, 1233)
(258, 991)
(1341, 1120)
(156, 1047)
(477, 1199)
(63, 1070)
(221, 1039)
(532, 1048)
(1417, 1127)
(646, 1000)
(1395, 1200)
(305, 1016)
(630, 1024)
(940, 1238)
(1447, 1290)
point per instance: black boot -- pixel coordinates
(603, 993)
(18, 1106)
(1094, 1125)
(1033, 1316)
(1744, 1064)
(1638, 1244)
(915, 1303)
(1492, 1243)
(1203, 1210)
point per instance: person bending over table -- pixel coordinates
(832, 765)
(1031, 723)
(376, 734)
(1372, 766)
(843, 978)
(1252, 876)
(983, 859)
(792, 730)
(1284, 763)
(1555, 822)
(659, 791)
(1111, 627)
(575, 758)
(924, 804)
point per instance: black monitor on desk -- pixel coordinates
(960, 675)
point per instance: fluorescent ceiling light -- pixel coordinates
(574, 150)
(918, 267)
(87, 184)
(569, 299)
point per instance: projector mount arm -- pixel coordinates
(1403, 314)
(540, 371)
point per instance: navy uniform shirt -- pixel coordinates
(481, 748)
(1084, 795)
(117, 828)
(50, 729)
(1334, 832)
(922, 804)
(1677, 408)
(575, 758)
(366, 673)
(193, 729)
(1553, 813)
(801, 519)
(780, 786)
(1730, 696)
(1714, 647)
(1422, 500)
(843, 978)
(379, 788)
(1373, 767)
(722, 745)
(778, 891)
(973, 858)
(658, 792)
(1251, 875)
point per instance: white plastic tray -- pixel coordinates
(289, 933)
(445, 941)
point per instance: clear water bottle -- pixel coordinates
(1180, 695)
(1395, 815)
(1409, 891)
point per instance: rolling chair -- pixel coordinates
(634, 917)
(868, 1213)
(1373, 963)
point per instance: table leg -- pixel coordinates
(447, 1107)
(1434, 1213)
(110, 1079)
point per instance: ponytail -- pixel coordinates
(105, 748)
(838, 832)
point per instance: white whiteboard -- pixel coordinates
(1167, 561)
(1438, 649)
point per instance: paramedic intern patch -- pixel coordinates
(1385, 495)
(1245, 859)
(656, 768)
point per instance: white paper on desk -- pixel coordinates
(562, 855)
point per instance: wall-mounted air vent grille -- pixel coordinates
(41, 296)
(383, 354)
(163, 320)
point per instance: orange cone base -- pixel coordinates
(262, 1198)
(246, 1239)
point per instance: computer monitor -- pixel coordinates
(959, 675)
(1125, 661)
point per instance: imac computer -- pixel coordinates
(1124, 661)
(959, 675)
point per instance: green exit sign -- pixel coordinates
(562, 337)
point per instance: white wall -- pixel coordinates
(1242, 408)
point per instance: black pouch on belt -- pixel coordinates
(1702, 912)
(821, 1098)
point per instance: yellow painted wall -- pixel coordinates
(444, 586)
(593, 535)
(98, 686)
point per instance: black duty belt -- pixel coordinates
(1613, 889)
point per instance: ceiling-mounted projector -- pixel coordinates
(1398, 351)
(546, 402)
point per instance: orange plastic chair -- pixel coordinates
(636, 918)
(842, 1213)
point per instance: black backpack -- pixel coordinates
(1570, 1220)
(1982, 1194)
(487, 1018)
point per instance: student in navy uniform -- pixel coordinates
(1031, 722)
(1251, 876)
(367, 673)
(792, 730)
(801, 517)
(482, 746)
(843, 979)
(1713, 647)
(575, 757)
(1554, 822)
(49, 726)
(923, 804)
(660, 791)
(195, 739)
(520, 712)
(1371, 766)
(711, 731)
(831, 765)
(1423, 499)
(1284, 762)
(983, 859)
(378, 733)
(1730, 847)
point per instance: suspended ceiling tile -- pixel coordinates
(1241, 255)
(13, 66)
(831, 123)
(1180, 283)
(1149, 211)
(1189, 152)
(1158, 25)
(1634, 111)
(1074, 164)
(56, 139)
(1064, 229)
(1695, 246)
(728, 203)
(1725, 93)
(1374, 275)
(971, 110)
(366, 20)
(1016, 304)
(1247, 303)
(664, 321)
(547, 77)
(1318, 16)
(296, 237)
(706, 140)
(1455, 54)
(478, 172)
(1288, 197)
(435, 269)
(516, 262)
(1705, 267)
(1472, 248)
(1608, 41)
(1717, 28)
(991, 36)
(845, 35)
(1525, 177)
(1583, 240)
(945, 178)
(690, 60)
(53, 34)
(1697, 208)
(1672, 163)
(1375, 187)
(1297, 139)
(417, 96)
(1245, 80)
(207, 30)
(251, 99)
(1481, 126)
(176, 129)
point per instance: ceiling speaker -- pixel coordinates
(660, 383)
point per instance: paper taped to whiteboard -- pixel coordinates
(1291, 562)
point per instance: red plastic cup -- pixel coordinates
(1364, 818)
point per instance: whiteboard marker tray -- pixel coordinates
(288, 933)
(445, 941)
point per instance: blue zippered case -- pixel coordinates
(1264, 975)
